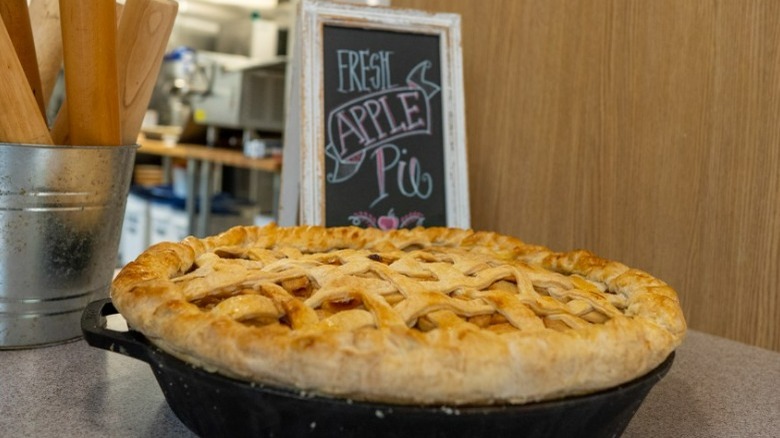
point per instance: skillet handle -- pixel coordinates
(93, 325)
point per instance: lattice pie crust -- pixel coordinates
(432, 315)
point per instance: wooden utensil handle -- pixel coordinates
(60, 130)
(17, 22)
(144, 30)
(91, 84)
(20, 116)
(47, 34)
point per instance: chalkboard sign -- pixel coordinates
(382, 135)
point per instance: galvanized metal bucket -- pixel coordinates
(61, 212)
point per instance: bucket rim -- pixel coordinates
(66, 147)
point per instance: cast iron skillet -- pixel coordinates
(212, 405)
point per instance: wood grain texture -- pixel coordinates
(20, 118)
(47, 34)
(91, 79)
(15, 14)
(647, 132)
(60, 127)
(143, 36)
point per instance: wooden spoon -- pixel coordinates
(17, 22)
(144, 30)
(20, 116)
(91, 83)
(45, 22)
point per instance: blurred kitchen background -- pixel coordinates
(212, 137)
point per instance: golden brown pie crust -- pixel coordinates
(430, 315)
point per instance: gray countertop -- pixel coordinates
(716, 388)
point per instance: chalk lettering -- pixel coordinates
(374, 109)
(363, 70)
(382, 166)
(417, 179)
(378, 118)
(410, 109)
(395, 128)
(342, 122)
(412, 182)
(359, 114)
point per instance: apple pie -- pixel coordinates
(420, 316)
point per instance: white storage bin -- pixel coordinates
(178, 225)
(160, 215)
(262, 220)
(135, 227)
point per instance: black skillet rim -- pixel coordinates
(128, 342)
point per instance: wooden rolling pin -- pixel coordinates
(16, 17)
(143, 34)
(20, 115)
(60, 130)
(45, 22)
(91, 84)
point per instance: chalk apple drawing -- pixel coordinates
(388, 221)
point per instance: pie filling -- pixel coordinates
(358, 288)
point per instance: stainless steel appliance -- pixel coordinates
(242, 93)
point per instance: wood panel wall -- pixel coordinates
(646, 131)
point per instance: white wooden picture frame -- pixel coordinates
(307, 102)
